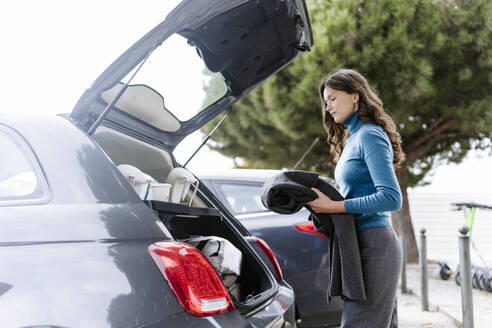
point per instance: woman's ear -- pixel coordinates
(355, 97)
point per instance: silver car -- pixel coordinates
(82, 246)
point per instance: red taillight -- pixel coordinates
(193, 280)
(264, 246)
(309, 227)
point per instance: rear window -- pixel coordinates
(242, 198)
(20, 176)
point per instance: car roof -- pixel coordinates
(237, 174)
(246, 175)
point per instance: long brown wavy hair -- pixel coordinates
(370, 109)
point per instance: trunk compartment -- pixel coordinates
(254, 284)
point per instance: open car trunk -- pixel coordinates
(202, 58)
(191, 219)
(254, 284)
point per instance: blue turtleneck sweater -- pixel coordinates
(365, 174)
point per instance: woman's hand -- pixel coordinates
(324, 204)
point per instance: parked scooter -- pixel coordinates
(481, 276)
(445, 272)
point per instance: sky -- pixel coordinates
(53, 50)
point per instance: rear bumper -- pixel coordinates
(278, 312)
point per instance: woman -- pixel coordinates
(366, 147)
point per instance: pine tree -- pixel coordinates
(430, 61)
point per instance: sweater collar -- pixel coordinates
(353, 122)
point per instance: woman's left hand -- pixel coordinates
(324, 204)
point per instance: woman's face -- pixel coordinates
(339, 104)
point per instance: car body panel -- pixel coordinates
(95, 226)
(61, 148)
(60, 284)
(77, 261)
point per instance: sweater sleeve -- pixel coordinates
(376, 151)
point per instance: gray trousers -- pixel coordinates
(381, 256)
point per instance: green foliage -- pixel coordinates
(214, 88)
(429, 60)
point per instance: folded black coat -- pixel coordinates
(287, 192)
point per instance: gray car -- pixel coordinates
(302, 253)
(86, 242)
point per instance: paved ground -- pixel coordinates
(445, 296)
(410, 314)
(444, 301)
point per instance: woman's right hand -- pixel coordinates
(324, 204)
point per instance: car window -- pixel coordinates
(242, 198)
(18, 174)
(180, 83)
